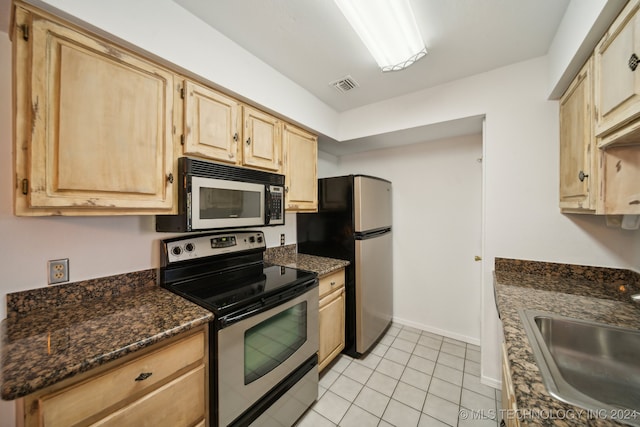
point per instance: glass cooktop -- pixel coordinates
(230, 290)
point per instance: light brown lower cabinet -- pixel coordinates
(166, 385)
(509, 406)
(331, 319)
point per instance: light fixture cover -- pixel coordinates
(388, 29)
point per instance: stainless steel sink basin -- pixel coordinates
(587, 364)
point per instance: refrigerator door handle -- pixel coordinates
(372, 234)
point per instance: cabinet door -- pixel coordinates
(509, 406)
(577, 145)
(331, 318)
(300, 169)
(262, 146)
(617, 79)
(101, 123)
(180, 403)
(78, 403)
(211, 124)
(621, 180)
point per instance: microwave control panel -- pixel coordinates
(277, 205)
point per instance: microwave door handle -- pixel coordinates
(267, 202)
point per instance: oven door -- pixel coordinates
(257, 353)
(219, 203)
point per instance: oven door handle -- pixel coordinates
(266, 304)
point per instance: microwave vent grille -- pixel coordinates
(231, 173)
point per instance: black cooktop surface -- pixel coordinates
(223, 292)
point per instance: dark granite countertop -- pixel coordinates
(287, 256)
(51, 334)
(590, 293)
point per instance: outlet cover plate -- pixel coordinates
(58, 271)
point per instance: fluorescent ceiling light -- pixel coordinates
(388, 29)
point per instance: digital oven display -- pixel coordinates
(223, 242)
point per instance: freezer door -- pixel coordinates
(374, 289)
(372, 203)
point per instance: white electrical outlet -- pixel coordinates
(282, 239)
(58, 271)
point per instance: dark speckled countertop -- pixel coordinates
(54, 333)
(590, 293)
(287, 256)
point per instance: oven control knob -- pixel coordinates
(259, 239)
(177, 250)
(189, 247)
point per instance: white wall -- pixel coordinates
(165, 29)
(95, 246)
(520, 158)
(327, 165)
(522, 219)
(436, 225)
(580, 30)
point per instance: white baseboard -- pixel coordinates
(491, 382)
(448, 334)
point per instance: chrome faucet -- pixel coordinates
(635, 298)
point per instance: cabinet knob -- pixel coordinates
(249, 141)
(235, 137)
(286, 189)
(170, 178)
(231, 155)
(333, 283)
(143, 376)
(633, 61)
(582, 176)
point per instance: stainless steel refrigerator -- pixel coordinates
(353, 222)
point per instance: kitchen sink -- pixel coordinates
(587, 364)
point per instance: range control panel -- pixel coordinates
(211, 244)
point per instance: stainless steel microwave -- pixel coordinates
(215, 196)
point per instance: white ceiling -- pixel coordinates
(311, 43)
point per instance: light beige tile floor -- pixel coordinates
(410, 378)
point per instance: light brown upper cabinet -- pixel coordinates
(617, 97)
(617, 79)
(93, 124)
(578, 151)
(211, 123)
(621, 180)
(300, 169)
(262, 140)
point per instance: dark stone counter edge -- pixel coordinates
(522, 364)
(289, 257)
(11, 393)
(21, 304)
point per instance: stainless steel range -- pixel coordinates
(264, 339)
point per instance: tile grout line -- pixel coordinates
(405, 365)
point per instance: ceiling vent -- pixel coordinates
(345, 84)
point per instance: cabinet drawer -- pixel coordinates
(180, 403)
(79, 402)
(331, 282)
